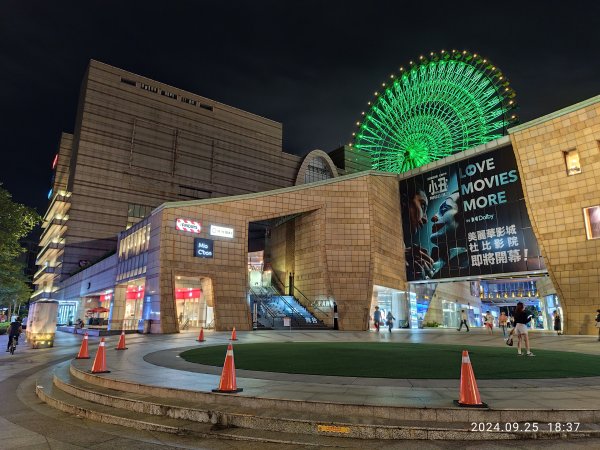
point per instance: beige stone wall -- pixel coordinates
(555, 202)
(61, 172)
(279, 250)
(385, 228)
(309, 255)
(141, 142)
(335, 251)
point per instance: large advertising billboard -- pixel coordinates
(468, 219)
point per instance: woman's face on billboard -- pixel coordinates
(417, 211)
(444, 222)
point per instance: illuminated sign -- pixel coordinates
(191, 226)
(54, 162)
(592, 222)
(414, 318)
(203, 248)
(216, 230)
(468, 218)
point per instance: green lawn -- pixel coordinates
(391, 360)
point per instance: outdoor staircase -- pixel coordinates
(197, 414)
(273, 308)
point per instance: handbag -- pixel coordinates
(509, 342)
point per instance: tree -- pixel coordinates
(16, 221)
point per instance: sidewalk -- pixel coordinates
(154, 360)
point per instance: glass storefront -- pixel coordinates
(391, 300)
(192, 308)
(134, 304)
(451, 313)
(67, 312)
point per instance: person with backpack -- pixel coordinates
(489, 322)
(598, 322)
(390, 320)
(377, 318)
(521, 321)
(463, 320)
(14, 330)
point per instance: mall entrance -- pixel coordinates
(134, 304)
(193, 302)
(440, 304)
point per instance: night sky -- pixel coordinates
(311, 65)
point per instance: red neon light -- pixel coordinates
(134, 292)
(55, 162)
(181, 294)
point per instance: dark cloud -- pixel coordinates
(311, 65)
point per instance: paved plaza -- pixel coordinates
(153, 360)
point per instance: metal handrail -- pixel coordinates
(266, 310)
(308, 302)
(295, 312)
(263, 299)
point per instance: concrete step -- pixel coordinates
(79, 369)
(253, 416)
(70, 404)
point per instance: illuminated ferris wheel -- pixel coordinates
(441, 104)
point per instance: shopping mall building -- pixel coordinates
(168, 215)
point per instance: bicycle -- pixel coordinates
(13, 345)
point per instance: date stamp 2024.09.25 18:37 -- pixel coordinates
(526, 427)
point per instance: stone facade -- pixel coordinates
(555, 203)
(136, 144)
(345, 238)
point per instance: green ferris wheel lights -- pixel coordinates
(445, 103)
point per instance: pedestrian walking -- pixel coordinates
(521, 321)
(598, 323)
(489, 322)
(390, 320)
(557, 322)
(502, 321)
(377, 318)
(463, 320)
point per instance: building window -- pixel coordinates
(591, 217)
(126, 81)
(572, 162)
(317, 170)
(135, 213)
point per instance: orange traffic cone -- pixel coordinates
(99, 365)
(83, 351)
(233, 335)
(121, 345)
(227, 384)
(469, 394)
(201, 336)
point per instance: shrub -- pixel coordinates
(433, 324)
(3, 327)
